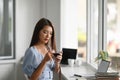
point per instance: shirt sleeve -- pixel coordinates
(53, 65)
(28, 62)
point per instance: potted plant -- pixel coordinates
(102, 55)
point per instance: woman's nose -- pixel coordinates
(48, 35)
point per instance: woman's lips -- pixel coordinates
(46, 39)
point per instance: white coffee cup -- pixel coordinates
(71, 62)
(78, 62)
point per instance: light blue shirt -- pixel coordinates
(31, 61)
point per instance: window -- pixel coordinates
(113, 32)
(82, 35)
(97, 24)
(7, 29)
(79, 26)
(108, 30)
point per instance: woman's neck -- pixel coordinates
(41, 48)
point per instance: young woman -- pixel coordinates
(39, 61)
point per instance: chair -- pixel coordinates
(26, 77)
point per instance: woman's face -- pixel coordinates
(45, 34)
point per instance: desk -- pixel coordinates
(107, 78)
(85, 70)
(68, 72)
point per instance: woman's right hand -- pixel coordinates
(48, 56)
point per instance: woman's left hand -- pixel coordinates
(58, 58)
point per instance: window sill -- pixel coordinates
(7, 61)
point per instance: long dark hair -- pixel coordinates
(39, 26)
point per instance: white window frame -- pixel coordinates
(102, 16)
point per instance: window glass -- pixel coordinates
(113, 32)
(88, 31)
(82, 29)
(6, 29)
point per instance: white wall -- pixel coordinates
(69, 23)
(28, 12)
(53, 13)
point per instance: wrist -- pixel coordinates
(44, 61)
(57, 62)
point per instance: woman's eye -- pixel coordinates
(45, 32)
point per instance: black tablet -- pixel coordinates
(68, 53)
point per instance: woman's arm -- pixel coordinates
(57, 67)
(41, 67)
(57, 62)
